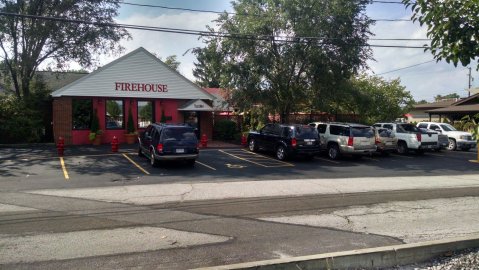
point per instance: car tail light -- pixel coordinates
(159, 147)
(377, 140)
(294, 142)
(350, 141)
(418, 136)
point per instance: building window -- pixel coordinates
(114, 114)
(82, 113)
(145, 113)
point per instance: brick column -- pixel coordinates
(62, 119)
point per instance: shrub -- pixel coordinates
(19, 123)
(224, 129)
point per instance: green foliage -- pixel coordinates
(130, 126)
(208, 66)
(440, 97)
(452, 25)
(274, 63)
(19, 123)
(113, 109)
(172, 62)
(163, 117)
(471, 124)
(374, 99)
(224, 129)
(29, 42)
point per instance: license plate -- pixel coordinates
(179, 151)
(309, 143)
(389, 143)
(365, 143)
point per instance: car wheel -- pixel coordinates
(281, 153)
(333, 151)
(153, 161)
(452, 145)
(252, 145)
(402, 148)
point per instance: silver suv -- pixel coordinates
(346, 138)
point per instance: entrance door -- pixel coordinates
(193, 119)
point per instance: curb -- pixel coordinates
(369, 258)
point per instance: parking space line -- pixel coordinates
(64, 168)
(209, 167)
(136, 164)
(328, 160)
(261, 156)
(436, 155)
(242, 158)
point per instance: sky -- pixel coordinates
(424, 81)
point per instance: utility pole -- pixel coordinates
(470, 79)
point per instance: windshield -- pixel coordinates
(447, 127)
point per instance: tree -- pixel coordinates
(285, 52)
(29, 37)
(452, 25)
(422, 101)
(208, 66)
(172, 62)
(374, 99)
(439, 97)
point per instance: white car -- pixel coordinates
(457, 139)
(411, 138)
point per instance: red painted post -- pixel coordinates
(204, 141)
(60, 146)
(114, 144)
(243, 140)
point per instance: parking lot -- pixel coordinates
(96, 167)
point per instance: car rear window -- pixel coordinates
(384, 132)
(362, 131)
(339, 130)
(179, 133)
(407, 128)
(305, 132)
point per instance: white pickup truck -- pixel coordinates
(411, 138)
(457, 139)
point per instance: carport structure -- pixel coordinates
(457, 110)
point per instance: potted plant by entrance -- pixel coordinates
(95, 131)
(130, 135)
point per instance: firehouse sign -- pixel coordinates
(140, 87)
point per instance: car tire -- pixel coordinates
(281, 153)
(333, 151)
(452, 145)
(153, 161)
(252, 146)
(402, 148)
(191, 162)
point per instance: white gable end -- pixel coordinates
(138, 74)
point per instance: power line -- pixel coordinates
(405, 67)
(225, 12)
(295, 39)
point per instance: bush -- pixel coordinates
(224, 130)
(18, 122)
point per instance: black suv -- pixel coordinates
(162, 142)
(285, 140)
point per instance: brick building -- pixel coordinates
(137, 83)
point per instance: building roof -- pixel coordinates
(221, 95)
(433, 105)
(462, 108)
(56, 80)
(138, 74)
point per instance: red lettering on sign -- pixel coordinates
(143, 87)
